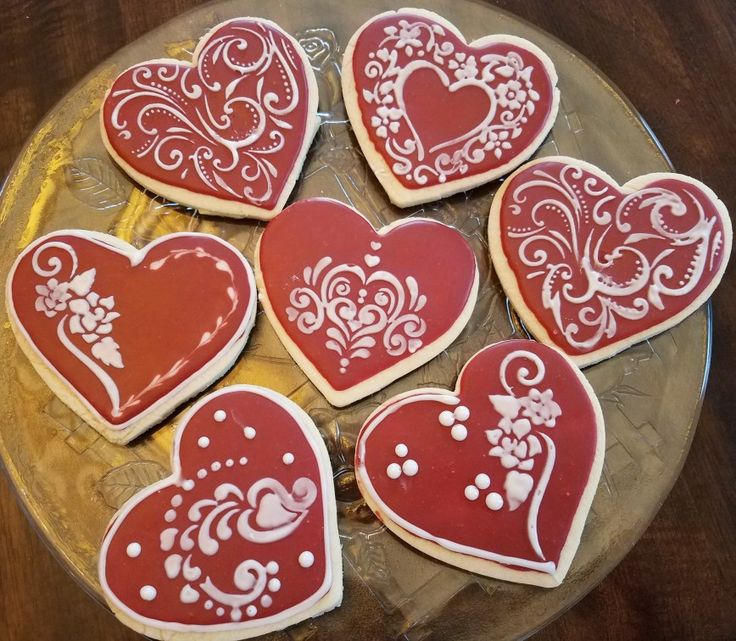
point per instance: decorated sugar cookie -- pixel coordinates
(496, 477)
(435, 115)
(124, 335)
(226, 133)
(241, 539)
(355, 307)
(593, 267)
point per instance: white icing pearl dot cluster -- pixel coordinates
(493, 500)
(408, 467)
(454, 420)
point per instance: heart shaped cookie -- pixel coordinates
(226, 133)
(496, 477)
(357, 308)
(434, 115)
(241, 539)
(122, 335)
(593, 267)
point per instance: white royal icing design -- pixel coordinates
(407, 467)
(554, 256)
(385, 306)
(89, 315)
(418, 45)
(247, 157)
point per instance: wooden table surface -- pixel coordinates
(675, 60)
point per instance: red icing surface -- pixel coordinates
(434, 499)
(670, 224)
(445, 100)
(435, 255)
(144, 519)
(163, 313)
(213, 129)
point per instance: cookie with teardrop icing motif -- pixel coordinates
(241, 539)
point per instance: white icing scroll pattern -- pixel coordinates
(505, 79)
(267, 512)
(222, 135)
(356, 306)
(91, 316)
(518, 439)
(603, 234)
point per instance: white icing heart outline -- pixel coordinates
(452, 87)
(327, 597)
(396, 191)
(509, 280)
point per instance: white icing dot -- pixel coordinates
(236, 614)
(208, 604)
(401, 450)
(447, 418)
(202, 473)
(220, 416)
(494, 501)
(220, 611)
(459, 432)
(176, 501)
(344, 362)
(288, 458)
(462, 413)
(188, 484)
(250, 433)
(216, 465)
(274, 585)
(133, 550)
(229, 462)
(170, 516)
(203, 442)
(243, 460)
(266, 600)
(251, 610)
(483, 481)
(410, 467)
(393, 471)
(272, 567)
(471, 492)
(306, 559)
(148, 593)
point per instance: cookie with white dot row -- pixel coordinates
(241, 539)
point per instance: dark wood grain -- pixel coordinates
(675, 61)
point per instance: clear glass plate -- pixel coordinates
(71, 480)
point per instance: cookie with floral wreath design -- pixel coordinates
(434, 115)
(124, 335)
(227, 133)
(495, 477)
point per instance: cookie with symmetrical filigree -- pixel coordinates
(357, 308)
(226, 133)
(435, 115)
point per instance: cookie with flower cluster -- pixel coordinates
(435, 115)
(495, 477)
(124, 335)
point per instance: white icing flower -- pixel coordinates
(92, 316)
(464, 69)
(511, 94)
(386, 119)
(52, 297)
(540, 408)
(408, 36)
(496, 141)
